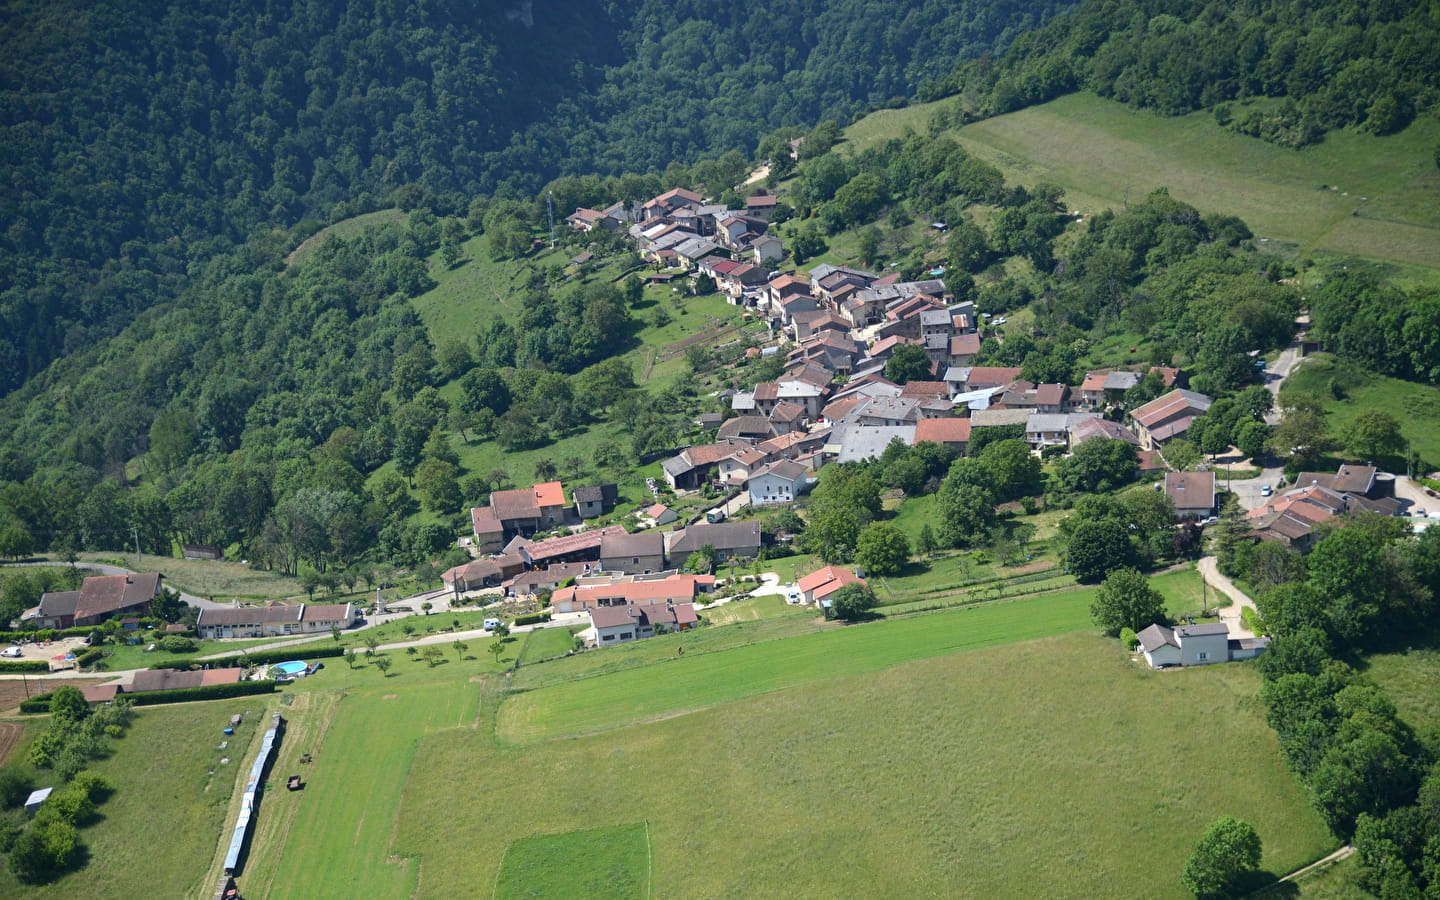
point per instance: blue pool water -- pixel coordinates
(288, 668)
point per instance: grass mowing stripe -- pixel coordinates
(635, 695)
(343, 829)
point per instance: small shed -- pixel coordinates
(32, 803)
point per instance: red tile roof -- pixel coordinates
(943, 431)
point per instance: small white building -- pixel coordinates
(36, 798)
(779, 482)
(1196, 645)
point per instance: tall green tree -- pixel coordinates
(1227, 851)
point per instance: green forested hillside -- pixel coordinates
(1336, 63)
(138, 139)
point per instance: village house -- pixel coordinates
(594, 500)
(948, 432)
(1167, 416)
(621, 624)
(483, 573)
(817, 587)
(633, 554)
(274, 620)
(588, 220)
(604, 591)
(730, 539)
(523, 511)
(1196, 645)
(100, 597)
(1192, 493)
(780, 481)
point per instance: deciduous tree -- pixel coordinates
(1126, 600)
(1227, 851)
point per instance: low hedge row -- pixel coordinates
(40, 704)
(44, 634)
(24, 665)
(532, 618)
(258, 658)
(212, 692)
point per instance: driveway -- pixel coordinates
(1248, 492)
(1231, 614)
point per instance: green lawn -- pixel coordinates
(134, 657)
(544, 643)
(1053, 767)
(1416, 406)
(595, 863)
(1351, 193)
(158, 831)
(1336, 882)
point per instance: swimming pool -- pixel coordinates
(287, 669)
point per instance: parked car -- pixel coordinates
(1266, 491)
(492, 624)
(12, 653)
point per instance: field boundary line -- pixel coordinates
(649, 864)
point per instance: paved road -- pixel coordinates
(1231, 614)
(1248, 491)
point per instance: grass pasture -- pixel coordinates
(1349, 194)
(161, 826)
(213, 579)
(1415, 406)
(700, 680)
(336, 833)
(1409, 679)
(1052, 767)
(595, 863)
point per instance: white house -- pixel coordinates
(621, 624)
(1195, 645)
(779, 482)
(273, 620)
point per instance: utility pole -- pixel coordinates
(135, 533)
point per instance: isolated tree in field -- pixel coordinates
(460, 648)
(1372, 434)
(383, 664)
(545, 469)
(501, 631)
(335, 633)
(371, 642)
(350, 657)
(431, 655)
(882, 549)
(1227, 851)
(1126, 600)
(15, 543)
(496, 648)
(852, 602)
(908, 363)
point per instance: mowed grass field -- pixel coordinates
(595, 863)
(334, 837)
(1046, 768)
(160, 828)
(1349, 194)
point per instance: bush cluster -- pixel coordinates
(532, 619)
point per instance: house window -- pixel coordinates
(1202, 656)
(608, 637)
(626, 635)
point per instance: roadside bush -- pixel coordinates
(45, 849)
(1128, 638)
(531, 619)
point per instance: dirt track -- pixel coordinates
(9, 736)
